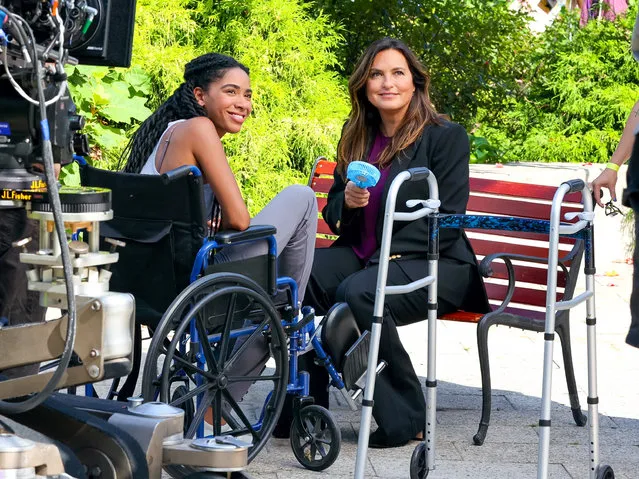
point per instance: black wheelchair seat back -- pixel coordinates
(162, 221)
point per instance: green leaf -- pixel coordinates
(70, 174)
(123, 111)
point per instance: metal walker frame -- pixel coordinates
(423, 459)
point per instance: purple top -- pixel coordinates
(368, 239)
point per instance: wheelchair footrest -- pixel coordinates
(360, 384)
(356, 361)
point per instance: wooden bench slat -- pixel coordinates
(485, 247)
(528, 313)
(563, 240)
(321, 203)
(322, 185)
(508, 207)
(325, 167)
(533, 297)
(526, 274)
(519, 190)
(469, 317)
(323, 242)
(323, 228)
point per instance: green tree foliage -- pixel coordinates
(112, 101)
(299, 102)
(474, 49)
(575, 96)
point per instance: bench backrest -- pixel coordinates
(320, 181)
(502, 198)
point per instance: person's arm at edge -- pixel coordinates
(608, 177)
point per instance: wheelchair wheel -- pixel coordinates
(237, 377)
(418, 469)
(187, 406)
(315, 438)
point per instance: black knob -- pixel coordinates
(76, 122)
(80, 144)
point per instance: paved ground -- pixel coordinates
(510, 449)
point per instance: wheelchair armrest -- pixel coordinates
(252, 233)
(179, 172)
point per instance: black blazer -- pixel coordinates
(444, 150)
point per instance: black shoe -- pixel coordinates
(379, 440)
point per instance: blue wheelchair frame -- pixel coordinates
(299, 338)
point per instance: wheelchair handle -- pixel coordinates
(419, 173)
(179, 172)
(575, 186)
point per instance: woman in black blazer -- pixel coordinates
(394, 126)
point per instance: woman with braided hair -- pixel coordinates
(215, 99)
(187, 128)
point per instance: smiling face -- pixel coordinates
(389, 86)
(227, 101)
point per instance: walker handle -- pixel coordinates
(419, 173)
(576, 186)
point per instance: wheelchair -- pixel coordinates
(225, 337)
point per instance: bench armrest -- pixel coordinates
(252, 233)
(486, 271)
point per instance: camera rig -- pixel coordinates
(93, 338)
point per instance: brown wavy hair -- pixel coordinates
(364, 119)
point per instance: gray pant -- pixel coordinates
(294, 213)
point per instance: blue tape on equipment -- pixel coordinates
(44, 126)
(5, 129)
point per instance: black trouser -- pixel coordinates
(337, 276)
(17, 304)
(633, 333)
(631, 199)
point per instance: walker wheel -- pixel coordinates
(605, 472)
(418, 469)
(315, 438)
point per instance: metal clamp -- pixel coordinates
(583, 216)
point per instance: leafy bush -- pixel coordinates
(575, 96)
(299, 102)
(112, 101)
(474, 49)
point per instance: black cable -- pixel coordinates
(7, 407)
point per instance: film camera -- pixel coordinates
(93, 339)
(37, 38)
(39, 126)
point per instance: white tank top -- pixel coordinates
(149, 168)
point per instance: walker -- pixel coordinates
(583, 229)
(429, 208)
(422, 460)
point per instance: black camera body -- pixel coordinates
(37, 38)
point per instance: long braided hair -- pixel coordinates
(181, 105)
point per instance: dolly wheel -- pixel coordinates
(418, 469)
